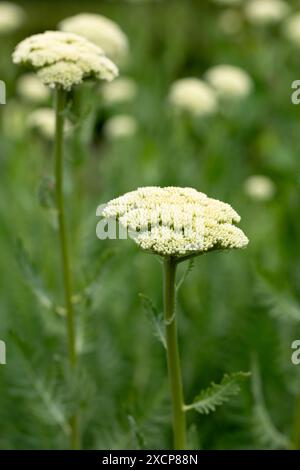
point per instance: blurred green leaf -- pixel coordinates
(263, 426)
(93, 278)
(43, 391)
(46, 192)
(155, 318)
(137, 438)
(187, 272)
(34, 281)
(281, 305)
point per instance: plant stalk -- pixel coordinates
(60, 104)
(295, 442)
(173, 358)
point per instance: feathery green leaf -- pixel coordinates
(263, 426)
(155, 318)
(217, 394)
(282, 306)
(186, 273)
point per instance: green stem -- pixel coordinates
(295, 443)
(179, 421)
(60, 104)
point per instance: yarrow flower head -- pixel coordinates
(102, 31)
(259, 188)
(120, 126)
(194, 96)
(264, 12)
(64, 59)
(121, 90)
(229, 81)
(42, 120)
(14, 119)
(176, 222)
(11, 17)
(291, 29)
(31, 89)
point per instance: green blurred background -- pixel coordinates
(236, 311)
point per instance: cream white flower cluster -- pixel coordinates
(291, 29)
(194, 96)
(120, 126)
(200, 98)
(229, 81)
(102, 31)
(175, 221)
(260, 13)
(263, 12)
(121, 90)
(43, 121)
(259, 188)
(31, 89)
(11, 17)
(64, 59)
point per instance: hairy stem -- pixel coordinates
(60, 104)
(179, 421)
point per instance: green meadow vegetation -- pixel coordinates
(102, 382)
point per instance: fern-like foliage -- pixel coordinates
(263, 427)
(218, 394)
(281, 305)
(33, 280)
(265, 431)
(155, 318)
(187, 272)
(94, 279)
(137, 437)
(35, 283)
(48, 403)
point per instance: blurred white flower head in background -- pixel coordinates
(14, 119)
(30, 88)
(263, 12)
(121, 90)
(259, 187)
(194, 96)
(229, 81)
(175, 221)
(291, 29)
(120, 126)
(42, 120)
(64, 59)
(230, 21)
(101, 31)
(12, 16)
